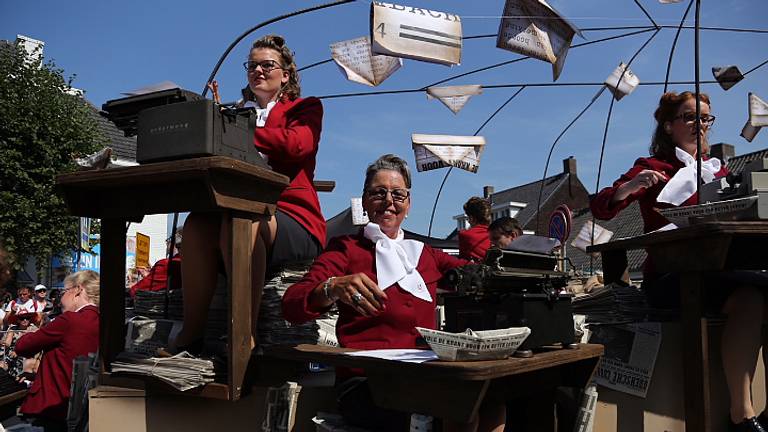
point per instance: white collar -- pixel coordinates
(261, 113)
(81, 307)
(683, 184)
(396, 261)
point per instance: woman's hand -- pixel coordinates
(643, 180)
(360, 292)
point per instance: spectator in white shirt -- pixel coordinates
(22, 304)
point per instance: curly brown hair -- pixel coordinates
(291, 89)
(478, 209)
(661, 143)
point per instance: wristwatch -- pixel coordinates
(327, 289)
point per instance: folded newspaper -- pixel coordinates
(475, 345)
(182, 371)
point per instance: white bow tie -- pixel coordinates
(396, 261)
(683, 184)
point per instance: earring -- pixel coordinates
(406, 215)
(365, 213)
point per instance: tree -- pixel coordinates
(42, 128)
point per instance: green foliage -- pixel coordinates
(42, 128)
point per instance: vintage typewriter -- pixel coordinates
(735, 197)
(178, 124)
(512, 288)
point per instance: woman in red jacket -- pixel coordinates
(73, 333)
(287, 135)
(666, 179)
(384, 286)
(474, 242)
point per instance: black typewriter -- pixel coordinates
(178, 124)
(512, 289)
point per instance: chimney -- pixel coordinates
(487, 191)
(569, 165)
(722, 151)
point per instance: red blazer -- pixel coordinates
(602, 207)
(474, 242)
(395, 327)
(290, 139)
(70, 335)
(157, 279)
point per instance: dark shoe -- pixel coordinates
(747, 425)
(763, 419)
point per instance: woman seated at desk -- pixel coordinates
(384, 286)
(668, 178)
(287, 133)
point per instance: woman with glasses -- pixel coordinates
(384, 287)
(667, 179)
(287, 135)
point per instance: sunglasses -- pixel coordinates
(266, 66)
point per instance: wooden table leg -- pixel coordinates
(695, 354)
(239, 287)
(614, 265)
(112, 290)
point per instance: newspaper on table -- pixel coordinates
(727, 76)
(440, 151)
(415, 33)
(182, 371)
(758, 111)
(535, 29)
(355, 60)
(584, 238)
(630, 355)
(454, 97)
(475, 345)
(628, 84)
(748, 132)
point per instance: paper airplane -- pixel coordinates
(727, 76)
(440, 151)
(758, 111)
(454, 97)
(535, 29)
(355, 60)
(584, 238)
(628, 84)
(415, 33)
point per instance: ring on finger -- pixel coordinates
(357, 297)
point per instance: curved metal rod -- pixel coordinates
(605, 135)
(656, 26)
(697, 63)
(552, 148)
(267, 22)
(440, 190)
(674, 43)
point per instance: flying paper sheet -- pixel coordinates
(748, 132)
(758, 111)
(454, 97)
(628, 84)
(354, 58)
(416, 33)
(358, 214)
(535, 29)
(727, 76)
(440, 151)
(583, 239)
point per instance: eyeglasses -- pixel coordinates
(689, 118)
(266, 66)
(380, 194)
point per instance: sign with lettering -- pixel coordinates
(441, 151)
(415, 33)
(142, 250)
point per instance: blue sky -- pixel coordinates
(112, 47)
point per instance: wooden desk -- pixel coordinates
(454, 390)
(242, 192)
(692, 251)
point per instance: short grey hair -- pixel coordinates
(389, 162)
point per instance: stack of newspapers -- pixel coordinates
(617, 303)
(182, 371)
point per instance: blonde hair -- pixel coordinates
(89, 280)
